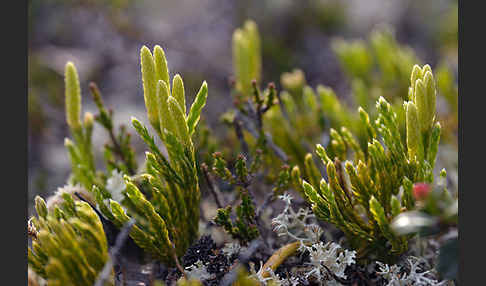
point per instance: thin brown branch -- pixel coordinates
(270, 198)
(95, 91)
(178, 264)
(118, 150)
(249, 126)
(211, 185)
(241, 138)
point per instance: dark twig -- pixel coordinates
(263, 231)
(178, 264)
(278, 151)
(118, 150)
(259, 103)
(211, 185)
(241, 138)
(268, 200)
(120, 241)
(249, 126)
(95, 91)
(253, 117)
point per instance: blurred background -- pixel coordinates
(103, 38)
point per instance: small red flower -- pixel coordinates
(421, 191)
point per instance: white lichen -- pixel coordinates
(295, 224)
(69, 189)
(116, 185)
(274, 279)
(232, 248)
(300, 227)
(330, 255)
(416, 276)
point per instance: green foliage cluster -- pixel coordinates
(362, 196)
(381, 64)
(173, 182)
(380, 67)
(287, 122)
(299, 115)
(392, 147)
(303, 117)
(244, 227)
(163, 199)
(68, 243)
(247, 56)
(371, 159)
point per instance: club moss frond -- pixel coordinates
(70, 246)
(373, 180)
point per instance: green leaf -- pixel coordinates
(241, 64)
(73, 96)
(251, 32)
(429, 84)
(311, 170)
(41, 207)
(321, 152)
(178, 92)
(422, 105)
(196, 107)
(395, 206)
(179, 121)
(414, 138)
(161, 68)
(149, 79)
(365, 121)
(415, 75)
(434, 144)
(166, 119)
(380, 217)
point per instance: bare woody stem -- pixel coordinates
(211, 186)
(109, 127)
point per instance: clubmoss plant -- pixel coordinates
(68, 243)
(247, 57)
(80, 148)
(362, 196)
(165, 198)
(373, 183)
(381, 62)
(380, 67)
